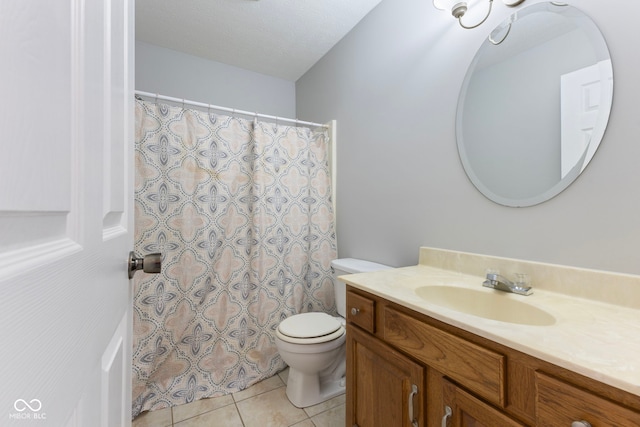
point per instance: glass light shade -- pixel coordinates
(443, 4)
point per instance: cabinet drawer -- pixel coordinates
(559, 404)
(476, 368)
(361, 311)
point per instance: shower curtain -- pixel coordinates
(241, 212)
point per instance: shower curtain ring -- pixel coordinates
(157, 95)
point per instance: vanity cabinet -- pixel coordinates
(461, 379)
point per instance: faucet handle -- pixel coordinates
(492, 273)
(523, 280)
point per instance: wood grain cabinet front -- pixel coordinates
(561, 404)
(407, 369)
(462, 409)
(384, 387)
(361, 311)
(480, 369)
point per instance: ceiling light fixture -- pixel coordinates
(458, 9)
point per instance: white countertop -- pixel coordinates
(598, 340)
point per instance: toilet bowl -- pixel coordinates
(316, 362)
(313, 344)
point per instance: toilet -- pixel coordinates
(313, 344)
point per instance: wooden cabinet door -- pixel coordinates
(469, 411)
(384, 388)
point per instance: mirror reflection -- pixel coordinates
(534, 104)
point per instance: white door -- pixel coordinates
(66, 214)
(586, 96)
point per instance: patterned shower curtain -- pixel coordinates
(241, 212)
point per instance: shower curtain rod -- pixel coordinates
(229, 110)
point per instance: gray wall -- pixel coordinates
(393, 83)
(177, 74)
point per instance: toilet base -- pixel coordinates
(307, 390)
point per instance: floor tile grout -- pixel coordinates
(171, 421)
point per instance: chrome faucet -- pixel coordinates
(496, 281)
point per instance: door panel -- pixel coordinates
(114, 400)
(116, 129)
(45, 225)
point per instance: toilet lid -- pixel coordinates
(309, 325)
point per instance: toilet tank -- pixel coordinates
(344, 266)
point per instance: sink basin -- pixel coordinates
(490, 305)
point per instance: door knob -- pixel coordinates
(151, 263)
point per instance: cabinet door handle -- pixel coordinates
(355, 311)
(581, 423)
(414, 391)
(447, 413)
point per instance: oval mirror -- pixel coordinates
(534, 104)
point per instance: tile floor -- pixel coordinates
(262, 405)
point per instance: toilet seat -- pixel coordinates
(310, 328)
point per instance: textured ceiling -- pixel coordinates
(280, 38)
